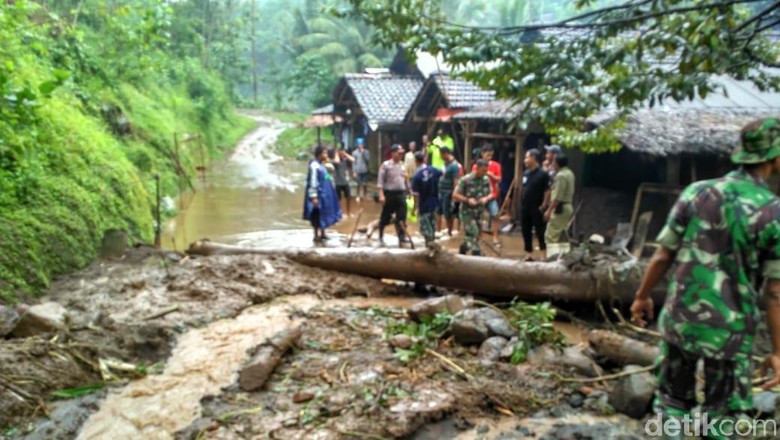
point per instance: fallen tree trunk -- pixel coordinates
(621, 349)
(497, 277)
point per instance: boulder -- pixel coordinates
(490, 350)
(41, 318)
(498, 324)
(9, 317)
(429, 308)
(633, 393)
(509, 348)
(468, 327)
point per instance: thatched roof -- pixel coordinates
(702, 126)
(693, 131)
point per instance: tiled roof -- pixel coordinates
(499, 109)
(384, 99)
(460, 93)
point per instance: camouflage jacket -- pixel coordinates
(471, 186)
(726, 234)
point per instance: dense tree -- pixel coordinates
(622, 55)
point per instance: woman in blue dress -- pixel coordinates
(321, 206)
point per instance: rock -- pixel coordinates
(580, 358)
(256, 372)
(574, 356)
(509, 348)
(541, 355)
(303, 396)
(490, 350)
(500, 326)
(401, 341)
(41, 318)
(9, 317)
(468, 328)
(598, 402)
(114, 244)
(429, 308)
(561, 411)
(576, 400)
(765, 403)
(633, 393)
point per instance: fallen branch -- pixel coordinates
(361, 435)
(449, 362)
(608, 376)
(161, 313)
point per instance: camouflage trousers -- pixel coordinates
(727, 386)
(427, 223)
(470, 219)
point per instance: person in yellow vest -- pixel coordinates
(441, 140)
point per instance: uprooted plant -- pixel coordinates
(534, 323)
(423, 335)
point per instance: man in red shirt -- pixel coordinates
(494, 175)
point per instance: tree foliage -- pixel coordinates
(608, 55)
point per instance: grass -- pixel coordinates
(295, 140)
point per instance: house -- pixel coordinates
(491, 123)
(664, 149)
(442, 97)
(373, 107)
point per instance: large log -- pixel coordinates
(496, 277)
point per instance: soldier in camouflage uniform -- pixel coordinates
(474, 192)
(723, 236)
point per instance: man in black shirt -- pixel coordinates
(536, 181)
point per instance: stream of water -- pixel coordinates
(252, 195)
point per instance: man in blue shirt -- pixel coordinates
(425, 187)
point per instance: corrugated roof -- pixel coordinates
(460, 93)
(384, 99)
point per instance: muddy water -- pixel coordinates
(203, 362)
(252, 190)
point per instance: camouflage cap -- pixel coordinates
(760, 142)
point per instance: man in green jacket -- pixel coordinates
(723, 239)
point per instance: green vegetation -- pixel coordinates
(425, 334)
(562, 61)
(534, 323)
(90, 100)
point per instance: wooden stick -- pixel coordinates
(162, 312)
(357, 222)
(408, 235)
(508, 197)
(447, 361)
(609, 376)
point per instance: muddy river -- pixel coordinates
(253, 195)
(255, 198)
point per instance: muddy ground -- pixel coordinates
(175, 375)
